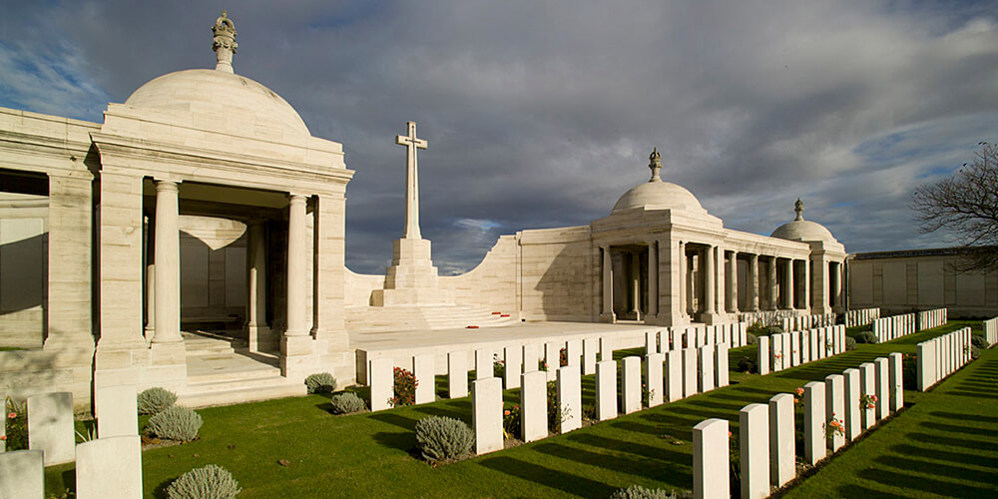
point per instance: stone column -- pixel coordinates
(819, 286)
(607, 314)
(296, 344)
(329, 325)
(710, 280)
(836, 287)
(772, 284)
(636, 284)
(150, 330)
(684, 293)
(257, 330)
(789, 286)
(720, 293)
(732, 284)
(652, 311)
(167, 263)
(753, 284)
(806, 286)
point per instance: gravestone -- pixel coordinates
(689, 372)
(814, 414)
(569, 399)
(606, 390)
(531, 357)
(483, 364)
(109, 468)
(883, 386)
(533, 406)
(423, 370)
(513, 366)
(851, 413)
(573, 348)
(651, 342)
(605, 348)
(896, 381)
(781, 439)
(631, 385)
(805, 349)
(654, 378)
(118, 414)
(721, 365)
(22, 474)
(795, 348)
(753, 450)
(835, 408)
(50, 426)
(673, 375)
(711, 454)
(590, 351)
(457, 374)
(552, 357)
(706, 359)
(776, 352)
(486, 415)
(786, 350)
(763, 361)
(867, 386)
(382, 383)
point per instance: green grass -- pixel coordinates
(373, 454)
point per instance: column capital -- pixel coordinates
(166, 185)
(297, 197)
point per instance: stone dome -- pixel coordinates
(803, 230)
(658, 195)
(226, 99)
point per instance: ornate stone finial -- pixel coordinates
(798, 209)
(224, 43)
(655, 163)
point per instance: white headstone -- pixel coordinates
(883, 380)
(867, 386)
(531, 357)
(896, 401)
(573, 348)
(795, 348)
(654, 378)
(786, 350)
(50, 426)
(513, 360)
(486, 414)
(805, 348)
(606, 390)
(552, 357)
(742, 334)
(764, 360)
(109, 467)
(814, 415)
(382, 376)
(689, 372)
(534, 406)
(706, 359)
(631, 385)
(753, 450)
(483, 364)
(835, 408)
(673, 375)
(651, 342)
(457, 374)
(721, 365)
(781, 439)
(776, 352)
(118, 415)
(590, 347)
(570, 398)
(22, 474)
(711, 460)
(605, 348)
(851, 414)
(423, 370)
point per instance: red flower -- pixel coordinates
(799, 391)
(3, 437)
(11, 415)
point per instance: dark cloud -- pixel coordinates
(541, 114)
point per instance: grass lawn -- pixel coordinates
(373, 454)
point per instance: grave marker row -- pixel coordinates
(894, 327)
(861, 317)
(991, 331)
(942, 356)
(802, 322)
(785, 350)
(928, 319)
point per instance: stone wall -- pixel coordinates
(23, 269)
(901, 281)
(493, 283)
(558, 269)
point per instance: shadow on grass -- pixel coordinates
(443, 411)
(853, 490)
(963, 417)
(920, 485)
(395, 419)
(966, 430)
(403, 441)
(160, 491)
(937, 469)
(952, 442)
(629, 447)
(944, 455)
(547, 477)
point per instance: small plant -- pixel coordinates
(208, 482)
(556, 413)
(175, 423)
(747, 365)
(405, 388)
(867, 401)
(16, 436)
(87, 435)
(441, 438)
(646, 395)
(346, 403)
(498, 366)
(850, 343)
(834, 427)
(320, 383)
(798, 394)
(639, 492)
(511, 420)
(155, 400)
(541, 365)
(867, 337)
(751, 339)
(563, 357)
(978, 341)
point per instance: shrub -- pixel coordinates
(974, 352)
(16, 436)
(209, 482)
(320, 383)
(555, 413)
(752, 339)
(978, 341)
(563, 357)
(175, 423)
(511, 419)
(155, 400)
(439, 438)
(405, 388)
(639, 492)
(850, 343)
(867, 337)
(345, 403)
(747, 365)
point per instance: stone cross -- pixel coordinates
(411, 180)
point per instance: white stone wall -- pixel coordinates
(558, 274)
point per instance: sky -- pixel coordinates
(542, 114)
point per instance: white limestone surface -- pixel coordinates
(689, 372)
(569, 398)
(606, 390)
(486, 414)
(706, 358)
(654, 380)
(673, 375)
(782, 450)
(630, 397)
(484, 367)
(22, 474)
(851, 414)
(533, 406)
(50, 426)
(382, 376)
(753, 450)
(721, 365)
(109, 467)
(710, 454)
(457, 374)
(883, 387)
(867, 386)
(896, 399)
(117, 411)
(814, 419)
(422, 370)
(763, 361)
(513, 360)
(590, 352)
(835, 408)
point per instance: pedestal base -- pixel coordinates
(298, 358)
(608, 317)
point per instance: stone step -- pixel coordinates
(237, 392)
(263, 372)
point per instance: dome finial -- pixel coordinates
(799, 209)
(224, 43)
(655, 163)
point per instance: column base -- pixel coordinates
(261, 339)
(608, 317)
(297, 357)
(710, 318)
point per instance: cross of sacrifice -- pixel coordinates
(411, 144)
